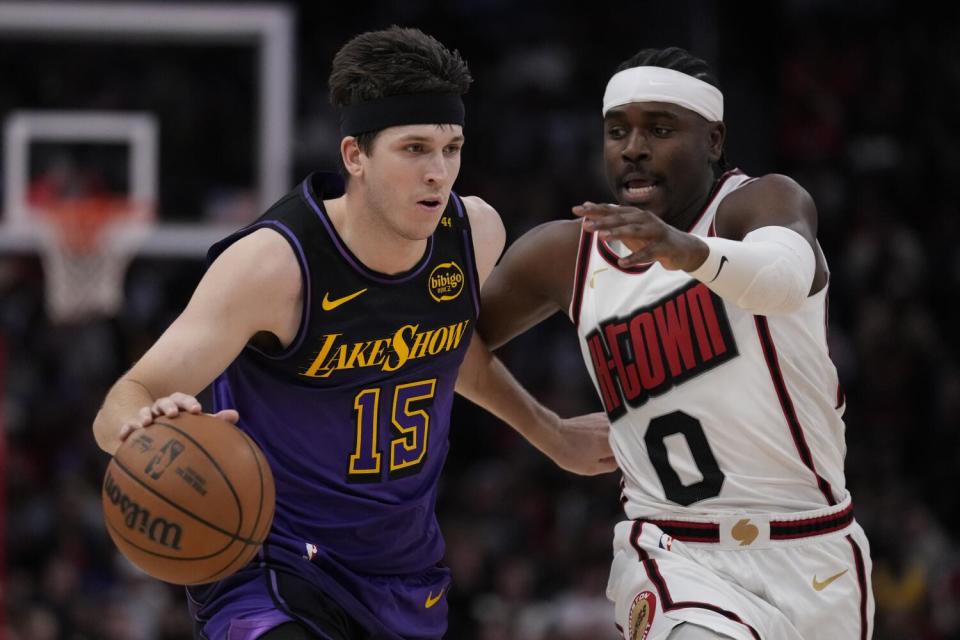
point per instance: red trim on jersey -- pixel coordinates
(786, 404)
(712, 231)
(862, 583)
(713, 195)
(689, 531)
(821, 525)
(706, 531)
(666, 600)
(611, 257)
(580, 275)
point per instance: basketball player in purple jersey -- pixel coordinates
(700, 302)
(333, 329)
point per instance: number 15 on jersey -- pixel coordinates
(410, 422)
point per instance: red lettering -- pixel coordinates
(611, 400)
(646, 347)
(706, 353)
(627, 374)
(674, 327)
(705, 319)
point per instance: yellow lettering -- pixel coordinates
(390, 353)
(356, 356)
(438, 339)
(377, 355)
(337, 361)
(322, 355)
(420, 343)
(456, 333)
(400, 348)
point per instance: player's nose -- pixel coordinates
(636, 147)
(436, 169)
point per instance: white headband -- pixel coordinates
(656, 84)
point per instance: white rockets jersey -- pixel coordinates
(713, 410)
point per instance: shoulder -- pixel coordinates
(488, 232)
(543, 260)
(261, 261)
(770, 199)
(770, 188)
(484, 219)
(771, 183)
(563, 231)
(557, 238)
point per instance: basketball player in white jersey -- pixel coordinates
(700, 301)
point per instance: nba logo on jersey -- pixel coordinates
(666, 542)
(640, 619)
(311, 551)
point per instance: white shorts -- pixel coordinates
(803, 576)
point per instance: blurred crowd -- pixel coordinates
(856, 103)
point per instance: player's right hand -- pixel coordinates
(645, 234)
(170, 407)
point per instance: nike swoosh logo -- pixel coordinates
(330, 305)
(820, 586)
(432, 600)
(723, 261)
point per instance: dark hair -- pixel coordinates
(680, 60)
(393, 62)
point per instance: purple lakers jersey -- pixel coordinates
(354, 415)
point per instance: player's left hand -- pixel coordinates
(645, 234)
(584, 445)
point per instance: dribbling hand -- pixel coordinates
(170, 407)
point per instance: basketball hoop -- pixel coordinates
(86, 244)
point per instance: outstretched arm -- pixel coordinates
(533, 281)
(253, 286)
(577, 444)
(765, 258)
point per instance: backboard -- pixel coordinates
(187, 106)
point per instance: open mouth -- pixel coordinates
(639, 190)
(431, 204)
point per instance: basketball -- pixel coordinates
(189, 499)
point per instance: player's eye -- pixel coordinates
(661, 132)
(414, 147)
(452, 149)
(616, 132)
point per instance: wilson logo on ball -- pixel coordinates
(445, 281)
(136, 518)
(162, 460)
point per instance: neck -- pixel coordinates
(685, 217)
(365, 233)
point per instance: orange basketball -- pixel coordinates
(188, 499)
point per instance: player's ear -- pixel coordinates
(350, 152)
(717, 136)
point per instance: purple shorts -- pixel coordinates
(279, 587)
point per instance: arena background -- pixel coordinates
(856, 100)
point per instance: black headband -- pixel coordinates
(394, 111)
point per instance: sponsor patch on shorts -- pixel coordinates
(640, 618)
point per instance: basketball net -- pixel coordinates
(86, 245)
